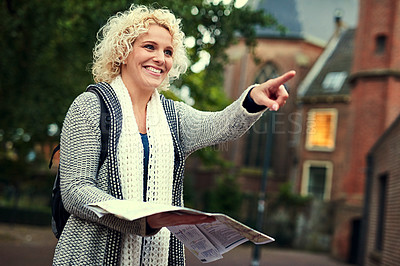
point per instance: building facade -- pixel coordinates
(381, 219)
(274, 57)
(325, 106)
(375, 83)
(343, 128)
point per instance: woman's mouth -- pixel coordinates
(154, 70)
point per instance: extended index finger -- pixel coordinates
(276, 82)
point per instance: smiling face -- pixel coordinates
(150, 60)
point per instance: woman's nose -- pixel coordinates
(159, 56)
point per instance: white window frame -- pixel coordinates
(334, 81)
(306, 176)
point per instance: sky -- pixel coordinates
(311, 19)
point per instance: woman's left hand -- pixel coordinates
(272, 93)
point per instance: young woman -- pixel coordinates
(139, 52)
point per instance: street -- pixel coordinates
(34, 246)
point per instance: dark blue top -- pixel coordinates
(146, 148)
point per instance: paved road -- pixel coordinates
(34, 246)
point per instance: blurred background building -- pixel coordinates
(344, 97)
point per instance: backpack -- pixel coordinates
(59, 214)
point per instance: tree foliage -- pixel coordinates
(46, 51)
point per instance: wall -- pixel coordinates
(385, 161)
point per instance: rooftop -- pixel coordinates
(329, 75)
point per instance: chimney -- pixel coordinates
(339, 25)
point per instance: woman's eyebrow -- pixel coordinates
(156, 43)
(149, 41)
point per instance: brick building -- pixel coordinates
(298, 49)
(275, 54)
(325, 109)
(375, 104)
(325, 97)
(335, 172)
(375, 81)
(350, 85)
(381, 217)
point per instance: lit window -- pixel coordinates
(321, 129)
(333, 81)
(317, 179)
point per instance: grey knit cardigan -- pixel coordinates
(89, 240)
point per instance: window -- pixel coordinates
(317, 179)
(321, 129)
(333, 81)
(267, 72)
(257, 136)
(380, 45)
(381, 212)
(316, 182)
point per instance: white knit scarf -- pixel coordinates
(160, 173)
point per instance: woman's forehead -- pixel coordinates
(157, 34)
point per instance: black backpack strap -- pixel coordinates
(56, 149)
(105, 121)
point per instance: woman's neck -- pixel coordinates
(139, 98)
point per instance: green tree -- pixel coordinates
(46, 50)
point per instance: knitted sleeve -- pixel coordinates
(199, 129)
(79, 159)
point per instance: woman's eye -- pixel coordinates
(168, 52)
(149, 46)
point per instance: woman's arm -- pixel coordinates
(200, 129)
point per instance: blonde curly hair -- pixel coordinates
(115, 41)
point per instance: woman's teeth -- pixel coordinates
(152, 69)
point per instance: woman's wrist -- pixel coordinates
(250, 105)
